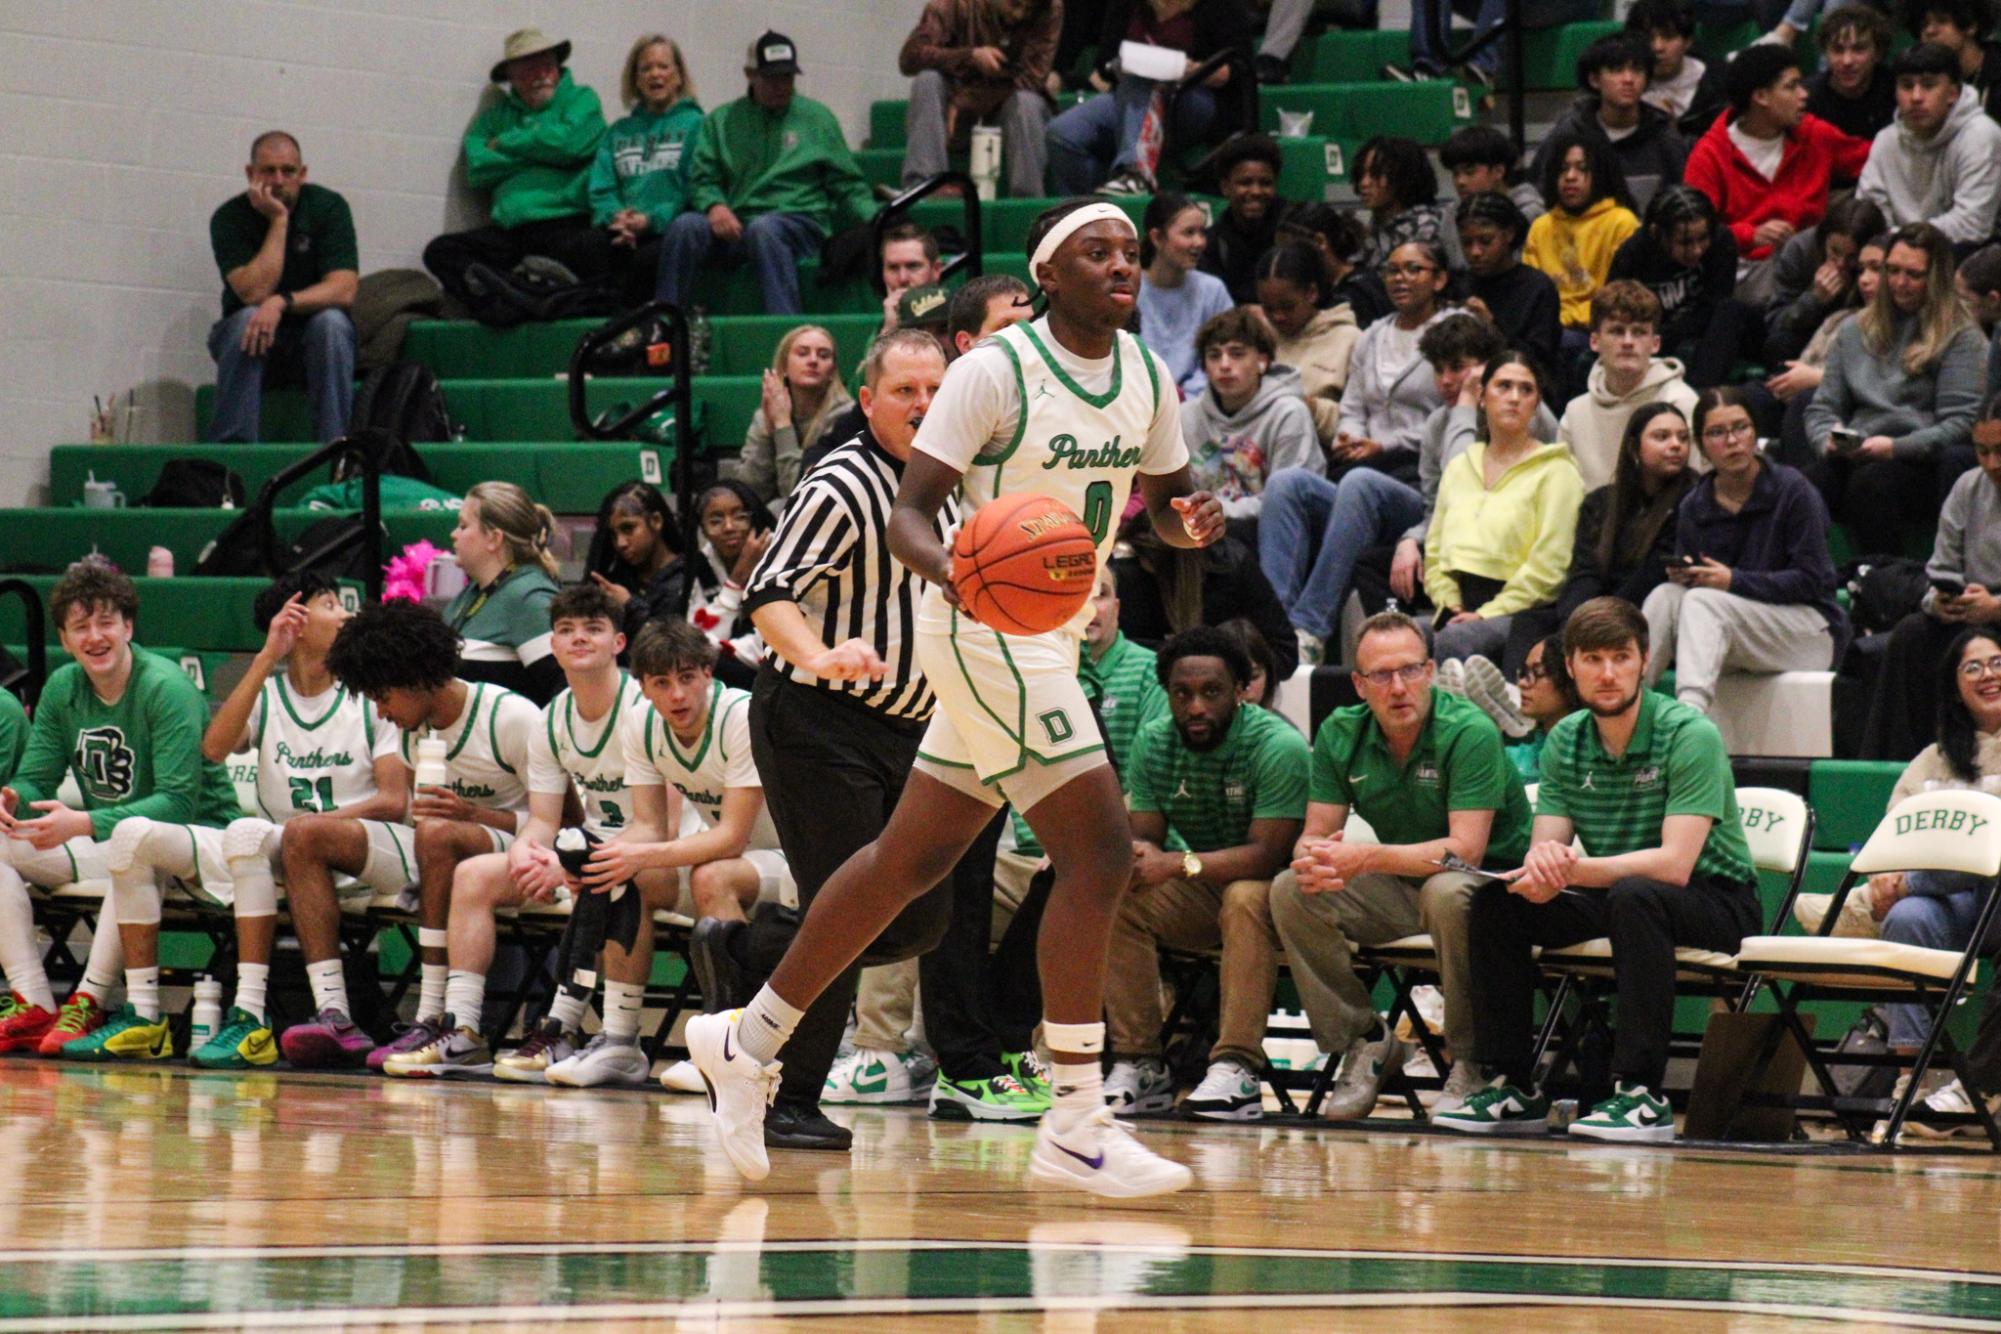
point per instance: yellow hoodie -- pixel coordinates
(1575, 250)
(1520, 532)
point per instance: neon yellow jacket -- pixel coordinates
(1519, 533)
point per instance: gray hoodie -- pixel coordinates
(1952, 180)
(1922, 414)
(1234, 454)
(1388, 398)
(1594, 423)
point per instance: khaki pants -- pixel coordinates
(1190, 915)
(886, 1007)
(1320, 933)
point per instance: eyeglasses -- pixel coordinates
(1736, 430)
(1528, 675)
(1409, 674)
(1973, 671)
(1408, 270)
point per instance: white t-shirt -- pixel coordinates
(1675, 96)
(1763, 154)
(566, 749)
(719, 760)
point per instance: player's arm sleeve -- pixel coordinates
(979, 402)
(739, 769)
(545, 771)
(1282, 766)
(641, 770)
(1165, 450)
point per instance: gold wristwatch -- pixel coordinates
(1191, 866)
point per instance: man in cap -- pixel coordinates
(532, 147)
(288, 259)
(770, 178)
(975, 60)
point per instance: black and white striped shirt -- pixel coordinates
(831, 556)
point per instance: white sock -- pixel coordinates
(766, 1025)
(20, 953)
(431, 996)
(142, 992)
(623, 1004)
(251, 981)
(1076, 1090)
(464, 996)
(105, 967)
(568, 1010)
(329, 983)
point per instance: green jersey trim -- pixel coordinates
(935, 759)
(1019, 731)
(493, 736)
(291, 710)
(708, 732)
(1021, 419)
(1100, 401)
(472, 721)
(1152, 378)
(570, 722)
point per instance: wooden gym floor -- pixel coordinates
(159, 1198)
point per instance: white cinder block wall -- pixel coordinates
(127, 121)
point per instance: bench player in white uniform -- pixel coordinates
(321, 750)
(1069, 406)
(404, 660)
(576, 747)
(692, 740)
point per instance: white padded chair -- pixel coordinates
(1950, 830)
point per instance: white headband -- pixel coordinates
(1069, 225)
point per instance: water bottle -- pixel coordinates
(985, 160)
(699, 335)
(207, 1019)
(431, 763)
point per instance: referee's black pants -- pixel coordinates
(1645, 919)
(832, 771)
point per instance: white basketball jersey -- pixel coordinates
(1026, 425)
(567, 750)
(718, 760)
(315, 754)
(486, 750)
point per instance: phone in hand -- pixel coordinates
(1845, 441)
(1690, 562)
(1949, 585)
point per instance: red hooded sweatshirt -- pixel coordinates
(1815, 154)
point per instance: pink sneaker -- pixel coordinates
(414, 1038)
(329, 1039)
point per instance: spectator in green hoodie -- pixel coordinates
(639, 182)
(770, 177)
(532, 148)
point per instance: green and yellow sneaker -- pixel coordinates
(245, 1041)
(1499, 1109)
(126, 1036)
(1001, 1098)
(1028, 1071)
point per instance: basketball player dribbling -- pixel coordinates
(1069, 406)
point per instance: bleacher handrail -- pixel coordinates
(680, 393)
(37, 634)
(1242, 88)
(370, 536)
(971, 262)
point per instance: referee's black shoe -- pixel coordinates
(788, 1125)
(719, 976)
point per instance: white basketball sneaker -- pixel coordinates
(739, 1090)
(1099, 1155)
(603, 1060)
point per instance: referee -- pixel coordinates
(837, 711)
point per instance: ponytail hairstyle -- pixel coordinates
(525, 526)
(1160, 215)
(1498, 211)
(1298, 263)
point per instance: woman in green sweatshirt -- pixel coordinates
(639, 180)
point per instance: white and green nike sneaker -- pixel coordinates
(1632, 1115)
(1228, 1092)
(1001, 1098)
(1498, 1109)
(873, 1078)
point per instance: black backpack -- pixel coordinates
(1883, 590)
(195, 484)
(392, 453)
(237, 550)
(403, 399)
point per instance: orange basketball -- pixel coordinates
(1024, 565)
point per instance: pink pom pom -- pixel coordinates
(404, 575)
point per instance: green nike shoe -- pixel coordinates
(245, 1041)
(1499, 1109)
(1001, 1098)
(126, 1036)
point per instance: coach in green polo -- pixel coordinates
(1644, 784)
(1427, 770)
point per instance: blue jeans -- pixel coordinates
(1938, 911)
(1431, 27)
(1311, 530)
(774, 243)
(1100, 135)
(323, 342)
